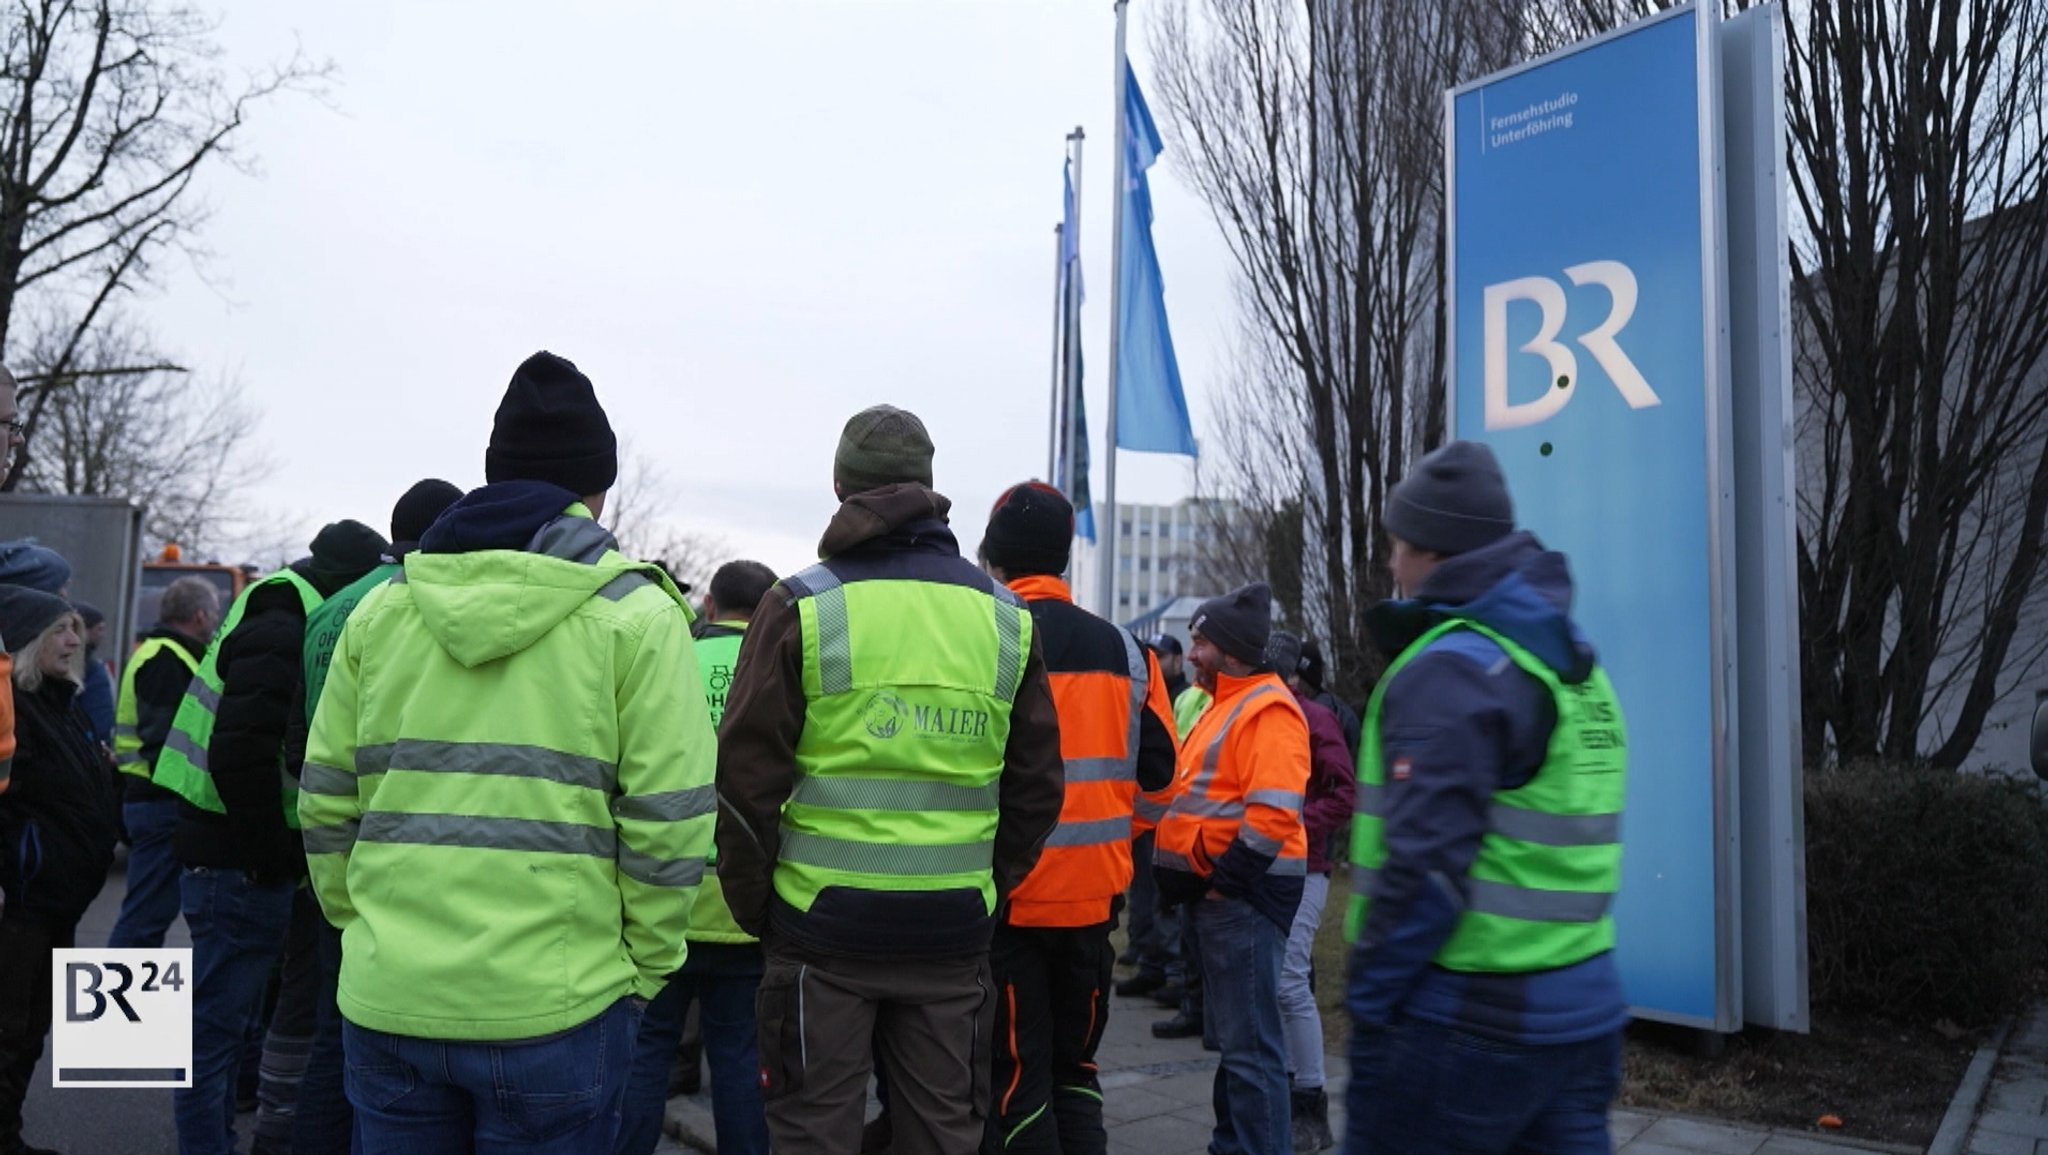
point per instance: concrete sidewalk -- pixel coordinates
(1156, 1100)
(2014, 1119)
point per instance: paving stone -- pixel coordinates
(1159, 1135)
(1779, 1144)
(1994, 1143)
(1623, 1126)
(1648, 1147)
(1705, 1138)
(1128, 1103)
(2020, 1096)
(1196, 1087)
(2013, 1123)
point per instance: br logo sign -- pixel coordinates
(121, 1018)
(1601, 341)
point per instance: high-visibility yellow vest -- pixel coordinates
(908, 687)
(1540, 894)
(181, 767)
(128, 713)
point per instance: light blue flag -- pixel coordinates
(1070, 267)
(1151, 407)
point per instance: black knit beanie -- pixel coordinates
(1312, 663)
(1454, 501)
(25, 613)
(418, 509)
(551, 428)
(1283, 654)
(1030, 531)
(344, 551)
(882, 446)
(1238, 623)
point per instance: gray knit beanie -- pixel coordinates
(882, 446)
(1454, 501)
(1238, 623)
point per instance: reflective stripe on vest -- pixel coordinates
(1101, 831)
(908, 687)
(1540, 893)
(1194, 803)
(181, 766)
(1086, 860)
(128, 710)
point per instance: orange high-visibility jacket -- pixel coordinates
(1116, 734)
(1242, 772)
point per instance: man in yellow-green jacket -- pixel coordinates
(888, 770)
(724, 968)
(507, 801)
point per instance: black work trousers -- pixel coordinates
(1052, 1003)
(826, 1020)
(25, 948)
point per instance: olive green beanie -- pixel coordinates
(882, 446)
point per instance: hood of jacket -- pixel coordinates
(1513, 587)
(483, 600)
(909, 511)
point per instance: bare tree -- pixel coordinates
(640, 517)
(1919, 154)
(112, 108)
(1314, 133)
(1919, 157)
(181, 450)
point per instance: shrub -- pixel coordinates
(1927, 890)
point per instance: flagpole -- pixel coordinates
(1071, 481)
(1106, 524)
(1059, 321)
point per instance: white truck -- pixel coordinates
(102, 539)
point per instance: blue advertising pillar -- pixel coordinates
(1590, 350)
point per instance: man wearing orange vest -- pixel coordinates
(1051, 956)
(1232, 848)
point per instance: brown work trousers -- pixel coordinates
(826, 1019)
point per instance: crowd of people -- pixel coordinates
(465, 821)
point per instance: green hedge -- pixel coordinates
(1927, 891)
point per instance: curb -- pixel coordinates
(1847, 1145)
(1962, 1110)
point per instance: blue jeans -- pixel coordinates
(325, 1124)
(238, 931)
(151, 904)
(1240, 954)
(553, 1096)
(1422, 1088)
(1155, 930)
(724, 978)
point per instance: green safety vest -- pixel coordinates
(1187, 709)
(718, 653)
(181, 766)
(128, 714)
(1541, 892)
(908, 687)
(323, 628)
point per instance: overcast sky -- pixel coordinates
(745, 222)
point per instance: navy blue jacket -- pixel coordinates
(1469, 723)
